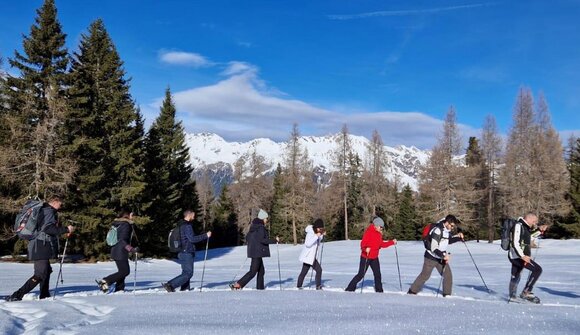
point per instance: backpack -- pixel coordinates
(506, 231)
(25, 225)
(112, 238)
(174, 240)
(426, 235)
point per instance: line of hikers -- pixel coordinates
(437, 237)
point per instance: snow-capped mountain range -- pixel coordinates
(211, 154)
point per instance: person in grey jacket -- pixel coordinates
(120, 252)
(258, 247)
(43, 248)
(187, 253)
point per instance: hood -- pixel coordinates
(256, 223)
(309, 229)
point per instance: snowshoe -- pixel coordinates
(103, 286)
(168, 287)
(235, 286)
(529, 296)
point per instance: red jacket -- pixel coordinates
(374, 240)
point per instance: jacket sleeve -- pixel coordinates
(50, 226)
(386, 244)
(193, 238)
(516, 240)
(265, 239)
(366, 241)
(124, 234)
(455, 239)
(311, 240)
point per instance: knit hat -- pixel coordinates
(262, 215)
(318, 223)
(377, 221)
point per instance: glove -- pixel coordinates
(130, 249)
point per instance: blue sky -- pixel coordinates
(247, 69)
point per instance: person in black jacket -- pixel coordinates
(258, 247)
(43, 248)
(120, 252)
(520, 257)
(187, 253)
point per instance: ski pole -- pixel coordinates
(398, 268)
(534, 258)
(60, 270)
(237, 273)
(204, 259)
(312, 268)
(321, 251)
(441, 280)
(135, 277)
(364, 274)
(279, 272)
(473, 260)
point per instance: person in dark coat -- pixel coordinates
(43, 248)
(258, 247)
(187, 253)
(120, 252)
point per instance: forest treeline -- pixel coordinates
(69, 126)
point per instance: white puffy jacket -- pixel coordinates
(311, 242)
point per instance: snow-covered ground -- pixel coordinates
(81, 308)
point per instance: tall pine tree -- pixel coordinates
(171, 188)
(34, 109)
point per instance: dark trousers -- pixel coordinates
(428, 266)
(42, 271)
(182, 281)
(518, 266)
(257, 267)
(362, 270)
(305, 267)
(119, 277)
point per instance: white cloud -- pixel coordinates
(184, 58)
(242, 107)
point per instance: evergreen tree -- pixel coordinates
(105, 135)
(406, 225)
(224, 222)
(171, 187)
(280, 225)
(34, 107)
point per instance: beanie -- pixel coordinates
(377, 221)
(318, 223)
(262, 215)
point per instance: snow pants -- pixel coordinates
(428, 266)
(518, 266)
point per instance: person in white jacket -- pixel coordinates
(314, 235)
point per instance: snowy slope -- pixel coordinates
(210, 152)
(80, 308)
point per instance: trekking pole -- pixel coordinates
(398, 268)
(364, 274)
(204, 259)
(441, 280)
(60, 270)
(534, 258)
(312, 269)
(279, 272)
(473, 260)
(135, 277)
(237, 273)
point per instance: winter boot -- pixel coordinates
(168, 287)
(319, 288)
(27, 287)
(235, 286)
(103, 286)
(411, 292)
(529, 296)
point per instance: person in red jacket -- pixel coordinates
(370, 244)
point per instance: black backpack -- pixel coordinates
(506, 232)
(174, 239)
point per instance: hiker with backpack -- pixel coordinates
(519, 256)
(258, 247)
(314, 235)
(370, 245)
(185, 251)
(120, 249)
(42, 246)
(436, 256)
